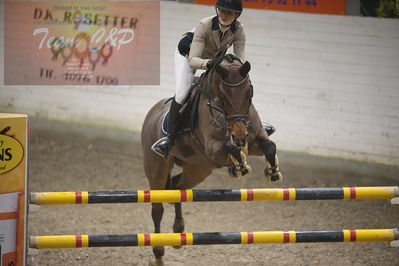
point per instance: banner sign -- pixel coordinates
(337, 7)
(13, 188)
(82, 43)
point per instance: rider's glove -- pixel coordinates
(212, 62)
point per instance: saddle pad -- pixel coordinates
(188, 118)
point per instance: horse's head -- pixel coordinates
(234, 91)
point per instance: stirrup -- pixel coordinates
(268, 127)
(161, 147)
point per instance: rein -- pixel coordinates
(212, 106)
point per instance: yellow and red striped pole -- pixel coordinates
(255, 194)
(179, 239)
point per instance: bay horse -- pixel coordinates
(228, 128)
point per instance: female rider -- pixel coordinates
(211, 38)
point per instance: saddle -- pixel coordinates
(188, 112)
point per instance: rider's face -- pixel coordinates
(226, 17)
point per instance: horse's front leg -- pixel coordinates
(239, 157)
(272, 170)
(268, 148)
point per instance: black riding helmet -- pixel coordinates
(231, 5)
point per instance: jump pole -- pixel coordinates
(242, 238)
(255, 194)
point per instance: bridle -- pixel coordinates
(221, 109)
(235, 84)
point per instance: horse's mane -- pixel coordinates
(227, 58)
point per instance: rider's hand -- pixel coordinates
(212, 62)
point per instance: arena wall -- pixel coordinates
(329, 84)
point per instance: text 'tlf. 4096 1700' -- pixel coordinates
(80, 78)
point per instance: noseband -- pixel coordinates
(235, 84)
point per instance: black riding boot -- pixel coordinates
(164, 145)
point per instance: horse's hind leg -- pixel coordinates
(178, 225)
(189, 178)
(156, 214)
(157, 170)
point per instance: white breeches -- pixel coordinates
(184, 76)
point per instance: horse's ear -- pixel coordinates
(223, 72)
(245, 68)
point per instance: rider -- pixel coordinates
(210, 39)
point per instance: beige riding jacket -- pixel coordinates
(207, 44)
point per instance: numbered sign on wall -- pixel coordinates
(336, 7)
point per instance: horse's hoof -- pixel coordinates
(244, 172)
(273, 178)
(178, 225)
(159, 252)
(232, 171)
(249, 168)
(156, 262)
(277, 178)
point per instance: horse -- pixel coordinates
(228, 128)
